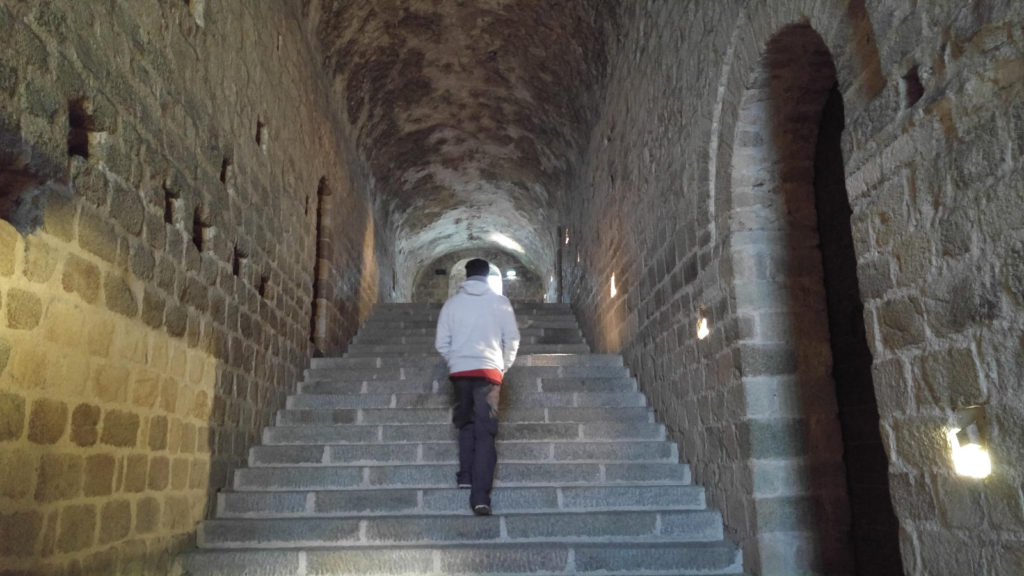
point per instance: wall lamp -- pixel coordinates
(703, 326)
(967, 441)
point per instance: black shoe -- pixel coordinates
(482, 510)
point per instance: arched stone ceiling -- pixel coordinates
(471, 113)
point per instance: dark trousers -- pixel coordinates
(477, 422)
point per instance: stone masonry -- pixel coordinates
(683, 175)
(161, 163)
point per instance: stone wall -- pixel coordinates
(696, 192)
(161, 161)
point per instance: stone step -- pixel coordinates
(526, 336)
(443, 415)
(355, 502)
(432, 314)
(427, 349)
(443, 386)
(541, 558)
(538, 432)
(448, 452)
(418, 307)
(308, 400)
(430, 373)
(339, 477)
(392, 352)
(410, 326)
(674, 525)
(574, 355)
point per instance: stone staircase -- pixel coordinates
(358, 475)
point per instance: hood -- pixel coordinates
(475, 286)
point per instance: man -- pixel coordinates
(478, 338)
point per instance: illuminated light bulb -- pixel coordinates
(613, 291)
(702, 328)
(970, 458)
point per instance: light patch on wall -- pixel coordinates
(611, 287)
(506, 242)
(703, 326)
(510, 274)
(970, 457)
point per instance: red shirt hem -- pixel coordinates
(488, 373)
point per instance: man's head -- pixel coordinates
(477, 267)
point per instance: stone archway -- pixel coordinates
(812, 455)
(457, 275)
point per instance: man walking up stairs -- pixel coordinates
(357, 475)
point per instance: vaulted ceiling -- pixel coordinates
(471, 114)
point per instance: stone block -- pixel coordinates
(153, 305)
(9, 240)
(158, 433)
(136, 472)
(17, 473)
(24, 309)
(119, 296)
(901, 322)
(77, 528)
(1003, 502)
(115, 521)
(143, 261)
(180, 470)
(177, 513)
(60, 477)
(875, 277)
(127, 209)
(40, 259)
(19, 533)
(951, 377)
(5, 354)
(961, 502)
(120, 428)
(64, 324)
(47, 422)
(146, 391)
(110, 383)
(85, 421)
(81, 277)
(767, 438)
(59, 217)
(147, 515)
(159, 473)
(920, 442)
(12, 416)
(99, 474)
(761, 359)
(97, 236)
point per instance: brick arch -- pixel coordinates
(846, 33)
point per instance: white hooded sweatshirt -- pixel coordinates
(477, 329)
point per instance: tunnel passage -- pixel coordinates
(435, 281)
(470, 127)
